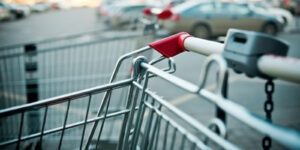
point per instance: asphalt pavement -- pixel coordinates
(245, 91)
(49, 24)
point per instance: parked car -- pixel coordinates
(206, 19)
(15, 11)
(25, 10)
(40, 7)
(286, 15)
(117, 15)
(4, 14)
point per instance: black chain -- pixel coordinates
(268, 107)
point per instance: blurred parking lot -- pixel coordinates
(248, 92)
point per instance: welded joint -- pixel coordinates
(138, 70)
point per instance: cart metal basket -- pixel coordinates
(38, 70)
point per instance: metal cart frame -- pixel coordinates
(147, 118)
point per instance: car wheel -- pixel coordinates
(201, 31)
(270, 28)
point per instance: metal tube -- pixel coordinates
(166, 135)
(155, 128)
(173, 139)
(183, 142)
(43, 125)
(64, 98)
(130, 119)
(85, 120)
(141, 111)
(103, 121)
(145, 140)
(64, 125)
(20, 131)
(126, 116)
(157, 131)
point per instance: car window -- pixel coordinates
(115, 9)
(185, 6)
(262, 5)
(209, 7)
(134, 10)
(229, 8)
(201, 8)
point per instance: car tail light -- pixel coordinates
(164, 15)
(147, 11)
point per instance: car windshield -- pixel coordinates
(262, 5)
(231, 8)
(185, 6)
(134, 8)
(125, 8)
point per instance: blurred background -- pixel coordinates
(205, 19)
(53, 47)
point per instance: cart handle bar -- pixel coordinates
(275, 66)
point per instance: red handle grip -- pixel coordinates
(172, 45)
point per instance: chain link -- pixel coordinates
(267, 143)
(268, 108)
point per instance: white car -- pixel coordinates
(4, 14)
(40, 7)
(120, 14)
(24, 9)
(286, 15)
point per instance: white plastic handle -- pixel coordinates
(286, 68)
(281, 67)
(201, 46)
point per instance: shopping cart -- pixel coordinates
(145, 120)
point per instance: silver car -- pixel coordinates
(205, 19)
(120, 14)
